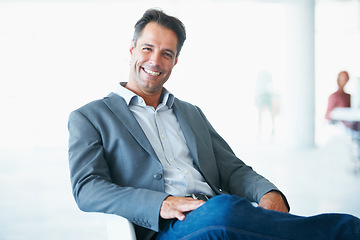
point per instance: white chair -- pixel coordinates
(119, 228)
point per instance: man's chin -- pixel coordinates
(152, 86)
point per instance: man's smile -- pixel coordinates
(152, 73)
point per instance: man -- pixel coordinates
(145, 155)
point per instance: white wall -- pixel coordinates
(58, 55)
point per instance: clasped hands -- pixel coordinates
(177, 207)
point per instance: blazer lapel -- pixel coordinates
(188, 133)
(119, 107)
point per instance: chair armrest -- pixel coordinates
(119, 228)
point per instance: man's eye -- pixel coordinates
(147, 49)
(168, 55)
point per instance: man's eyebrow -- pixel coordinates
(147, 45)
(150, 45)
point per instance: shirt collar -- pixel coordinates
(131, 98)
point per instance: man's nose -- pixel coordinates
(155, 58)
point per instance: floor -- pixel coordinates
(36, 201)
(319, 180)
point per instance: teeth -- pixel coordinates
(151, 72)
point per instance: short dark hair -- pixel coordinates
(164, 20)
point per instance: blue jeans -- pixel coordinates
(232, 217)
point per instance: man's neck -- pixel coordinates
(152, 100)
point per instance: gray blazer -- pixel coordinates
(115, 170)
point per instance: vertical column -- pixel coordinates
(299, 102)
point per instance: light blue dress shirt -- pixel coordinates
(163, 131)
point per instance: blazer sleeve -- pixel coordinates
(93, 188)
(235, 176)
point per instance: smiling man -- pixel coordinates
(143, 154)
(153, 57)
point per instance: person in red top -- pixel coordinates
(339, 98)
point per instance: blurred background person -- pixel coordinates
(339, 98)
(264, 101)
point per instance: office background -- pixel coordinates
(56, 56)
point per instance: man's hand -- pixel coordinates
(273, 201)
(176, 207)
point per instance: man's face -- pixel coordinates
(153, 58)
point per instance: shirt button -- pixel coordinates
(162, 136)
(186, 171)
(158, 176)
(171, 160)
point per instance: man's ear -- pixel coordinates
(132, 46)
(176, 59)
